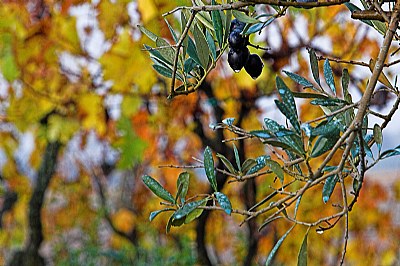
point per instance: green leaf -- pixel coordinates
(391, 152)
(183, 185)
(237, 158)
(187, 208)
(227, 25)
(296, 208)
(261, 163)
(345, 84)
(288, 101)
(299, 79)
(328, 102)
(268, 221)
(276, 247)
(227, 163)
(163, 71)
(189, 65)
(204, 19)
(209, 168)
(211, 45)
(155, 213)
(165, 50)
(329, 76)
(378, 136)
(244, 18)
(217, 23)
(157, 189)
(308, 95)
(191, 50)
(176, 39)
(289, 115)
(353, 8)
(272, 126)
(224, 202)
(259, 26)
(202, 47)
(314, 65)
(329, 186)
(156, 54)
(327, 129)
(148, 33)
(323, 144)
(248, 164)
(186, 40)
(302, 257)
(195, 213)
(261, 134)
(276, 168)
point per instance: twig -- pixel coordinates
(338, 60)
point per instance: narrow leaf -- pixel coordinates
(217, 23)
(329, 186)
(165, 50)
(329, 76)
(209, 168)
(302, 257)
(248, 164)
(189, 65)
(276, 168)
(148, 33)
(259, 26)
(183, 183)
(237, 158)
(191, 50)
(289, 115)
(261, 163)
(353, 8)
(323, 144)
(155, 213)
(276, 247)
(243, 17)
(187, 208)
(211, 45)
(227, 24)
(202, 47)
(268, 221)
(157, 189)
(288, 101)
(314, 65)
(195, 213)
(261, 134)
(345, 83)
(227, 163)
(378, 136)
(172, 31)
(296, 208)
(224, 202)
(299, 79)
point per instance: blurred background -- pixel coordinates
(74, 72)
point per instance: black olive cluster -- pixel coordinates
(239, 55)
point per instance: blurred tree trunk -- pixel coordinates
(30, 255)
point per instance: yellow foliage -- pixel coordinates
(124, 220)
(91, 112)
(111, 15)
(127, 66)
(147, 10)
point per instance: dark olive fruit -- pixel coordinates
(254, 66)
(237, 59)
(236, 40)
(237, 25)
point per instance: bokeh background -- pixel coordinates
(75, 72)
